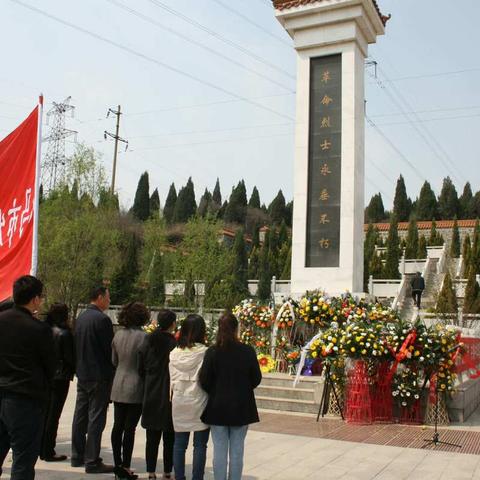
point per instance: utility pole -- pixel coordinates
(117, 139)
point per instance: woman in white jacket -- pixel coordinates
(188, 398)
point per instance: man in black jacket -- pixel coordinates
(418, 286)
(27, 366)
(93, 346)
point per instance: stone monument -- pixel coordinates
(331, 38)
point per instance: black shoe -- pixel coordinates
(99, 468)
(122, 473)
(76, 463)
(55, 458)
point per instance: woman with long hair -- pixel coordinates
(229, 375)
(127, 388)
(188, 398)
(153, 363)
(57, 318)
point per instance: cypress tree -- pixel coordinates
(471, 302)
(375, 212)
(155, 204)
(466, 202)
(411, 246)
(393, 251)
(205, 204)
(402, 205)
(141, 204)
(466, 251)
(476, 205)
(289, 213)
(277, 208)
(217, 195)
(254, 201)
(368, 252)
(447, 298)
(170, 203)
(475, 253)
(422, 248)
(376, 267)
(273, 258)
(264, 276)
(256, 237)
(240, 264)
(455, 245)
(156, 282)
(236, 210)
(253, 263)
(448, 204)
(435, 239)
(282, 234)
(287, 264)
(223, 209)
(186, 206)
(122, 287)
(427, 207)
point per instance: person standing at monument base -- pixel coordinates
(418, 286)
(27, 367)
(93, 347)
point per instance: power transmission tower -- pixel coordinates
(117, 139)
(55, 162)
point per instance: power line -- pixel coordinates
(221, 38)
(432, 75)
(149, 59)
(140, 15)
(202, 132)
(434, 110)
(251, 22)
(424, 120)
(422, 135)
(392, 145)
(194, 144)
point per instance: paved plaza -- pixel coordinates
(295, 446)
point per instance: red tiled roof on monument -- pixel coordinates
(425, 225)
(284, 4)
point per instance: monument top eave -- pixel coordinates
(288, 11)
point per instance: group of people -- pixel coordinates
(168, 379)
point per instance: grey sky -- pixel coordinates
(180, 127)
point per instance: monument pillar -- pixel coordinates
(331, 38)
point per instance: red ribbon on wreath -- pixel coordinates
(402, 353)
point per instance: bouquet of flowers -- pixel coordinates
(362, 340)
(406, 387)
(315, 308)
(262, 343)
(286, 320)
(263, 317)
(293, 357)
(328, 344)
(245, 311)
(266, 362)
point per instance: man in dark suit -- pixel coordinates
(93, 346)
(418, 286)
(27, 366)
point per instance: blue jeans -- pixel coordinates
(228, 444)
(200, 440)
(21, 428)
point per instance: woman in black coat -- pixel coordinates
(57, 318)
(229, 375)
(157, 408)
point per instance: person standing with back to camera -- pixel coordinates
(188, 398)
(153, 363)
(229, 375)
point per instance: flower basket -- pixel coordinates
(359, 402)
(412, 414)
(382, 402)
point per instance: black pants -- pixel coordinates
(58, 395)
(417, 297)
(21, 427)
(126, 417)
(89, 420)
(151, 450)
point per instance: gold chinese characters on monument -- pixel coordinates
(324, 183)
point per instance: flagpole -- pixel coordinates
(37, 186)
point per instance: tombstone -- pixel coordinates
(331, 38)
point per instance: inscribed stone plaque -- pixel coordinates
(324, 163)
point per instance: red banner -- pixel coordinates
(19, 170)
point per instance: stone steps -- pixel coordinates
(276, 392)
(286, 405)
